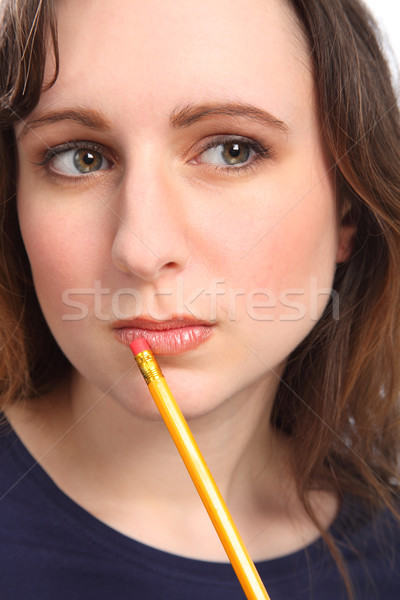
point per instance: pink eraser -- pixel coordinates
(139, 345)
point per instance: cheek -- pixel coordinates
(54, 253)
(61, 249)
(65, 260)
(285, 259)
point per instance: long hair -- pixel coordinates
(339, 396)
(30, 358)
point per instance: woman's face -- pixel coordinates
(173, 182)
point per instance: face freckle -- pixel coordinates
(156, 209)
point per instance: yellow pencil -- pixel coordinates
(217, 510)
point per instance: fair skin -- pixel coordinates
(165, 216)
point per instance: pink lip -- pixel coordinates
(164, 337)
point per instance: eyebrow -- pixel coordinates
(87, 117)
(192, 113)
(180, 118)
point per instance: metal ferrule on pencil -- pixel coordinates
(148, 366)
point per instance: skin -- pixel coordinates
(161, 216)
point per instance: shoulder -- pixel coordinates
(369, 540)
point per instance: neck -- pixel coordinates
(128, 473)
(235, 439)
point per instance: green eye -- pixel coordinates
(234, 153)
(87, 161)
(76, 161)
(231, 153)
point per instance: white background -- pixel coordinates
(387, 13)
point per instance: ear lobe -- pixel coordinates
(346, 241)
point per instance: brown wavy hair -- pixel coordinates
(339, 396)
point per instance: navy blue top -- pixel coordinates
(52, 549)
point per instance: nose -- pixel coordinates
(150, 237)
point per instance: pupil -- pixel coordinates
(88, 158)
(235, 150)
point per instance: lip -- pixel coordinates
(167, 338)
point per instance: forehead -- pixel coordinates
(153, 55)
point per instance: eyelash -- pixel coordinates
(260, 153)
(55, 151)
